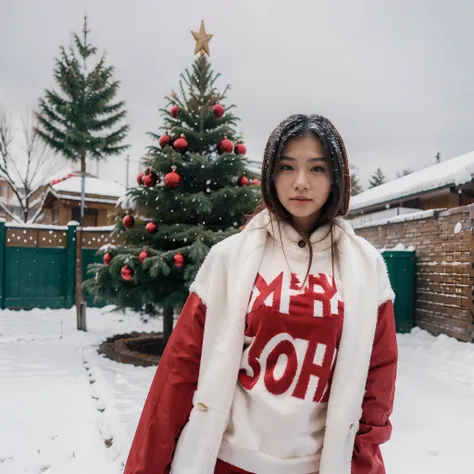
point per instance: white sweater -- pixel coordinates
(278, 414)
(224, 283)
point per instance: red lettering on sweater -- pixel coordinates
(280, 385)
(292, 352)
(317, 299)
(264, 291)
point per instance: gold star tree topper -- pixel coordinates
(202, 40)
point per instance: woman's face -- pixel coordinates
(303, 180)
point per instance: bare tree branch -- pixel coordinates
(40, 207)
(6, 138)
(28, 170)
(7, 211)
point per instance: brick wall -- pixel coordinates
(444, 280)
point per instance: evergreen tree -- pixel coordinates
(81, 118)
(195, 191)
(356, 187)
(438, 157)
(377, 178)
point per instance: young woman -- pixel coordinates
(283, 360)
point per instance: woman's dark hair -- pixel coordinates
(337, 204)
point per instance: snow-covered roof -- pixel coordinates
(397, 219)
(452, 172)
(99, 187)
(88, 198)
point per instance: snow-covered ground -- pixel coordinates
(64, 409)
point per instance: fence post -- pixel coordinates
(71, 263)
(2, 262)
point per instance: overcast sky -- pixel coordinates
(396, 78)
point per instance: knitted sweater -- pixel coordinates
(292, 334)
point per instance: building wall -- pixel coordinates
(47, 216)
(447, 201)
(64, 212)
(4, 189)
(103, 219)
(6, 195)
(444, 262)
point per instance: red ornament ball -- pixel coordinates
(143, 255)
(151, 228)
(172, 179)
(178, 260)
(107, 258)
(126, 273)
(150, 180)
(174, 111)
(255, 182)
(240, 149)
(165, 140)
(181, 144)
(243, 181)
(218, 110)
(226, 146)
(128, 221)
(140, 178)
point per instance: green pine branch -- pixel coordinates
(79, 118)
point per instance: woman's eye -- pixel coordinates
(318, 169)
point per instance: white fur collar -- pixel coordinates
(224, 284)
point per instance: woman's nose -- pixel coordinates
(301, 181)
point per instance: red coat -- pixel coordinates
(169, 400)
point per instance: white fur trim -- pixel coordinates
(224, 284)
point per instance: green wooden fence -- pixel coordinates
(37, 269)
(37, 265)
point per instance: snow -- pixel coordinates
(107, 247)
(61, 402)
(399, 248)
(433, 411)
(106, 228)
(72, 197)
(127, 202)
(402, 218)
(25, 225)
(99, 187)
(454, 172)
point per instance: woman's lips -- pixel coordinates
(301, 201)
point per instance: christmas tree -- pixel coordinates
(196, 190)
(377, 178)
